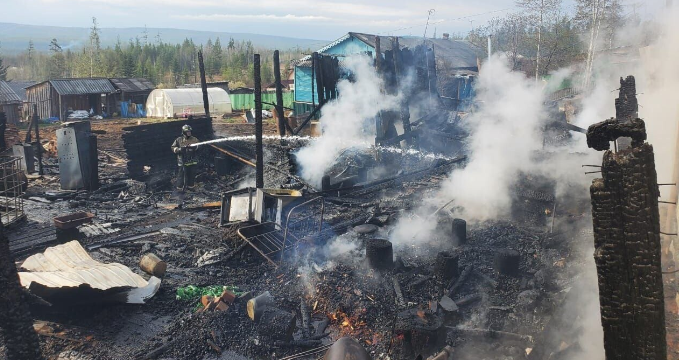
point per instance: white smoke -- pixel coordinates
(347, 121)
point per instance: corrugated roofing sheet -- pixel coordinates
(7, 94)
(82, 86)
(19, 87)
(131, 85)
(69, 268)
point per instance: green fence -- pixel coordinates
(247, 101)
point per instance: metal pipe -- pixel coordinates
(259, 150)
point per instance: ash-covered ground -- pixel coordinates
(498, 316)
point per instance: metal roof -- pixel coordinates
(461, 54)
(131, 85)
(82, 86)
(7, 94)
(19, 87)
(68, 269)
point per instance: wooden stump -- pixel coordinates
(152, 265)
(459, 231)
(507, 261)
(256, 306)
(446, 266)
(379, 253)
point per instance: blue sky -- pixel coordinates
(321, 19)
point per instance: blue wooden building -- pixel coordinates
(455, 57)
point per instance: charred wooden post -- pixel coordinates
(318, 70)
(276, 324)
(203, 83)
(279, 93)
(446, 266)
(325, 182)
(153, 265)
(459, 231)
(626, 107)
(259, 147)
(36, 123)
(506, 262)
(627, 244)
(16, 325)
(306, 318)
(379, 253)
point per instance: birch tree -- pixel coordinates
(538, 11)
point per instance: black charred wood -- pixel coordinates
(279, 93)
(457, 284)
(306, 318)
(379, 253)
(446, 266)
(467, 300)
(203, 83)
(320, 328)
(507, 261)
(628, 255)
(601, 134)
(459, 231)
(259, 150)
(626, 105)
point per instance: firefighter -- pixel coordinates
(186, 158)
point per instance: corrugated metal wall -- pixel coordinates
(247, 101)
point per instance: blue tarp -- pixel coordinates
(125, 110)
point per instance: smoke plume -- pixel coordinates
(347, 121)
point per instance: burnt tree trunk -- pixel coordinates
(16, 324)
(627, 255)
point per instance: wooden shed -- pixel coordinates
(55, 97)
(135, 90)
(10, 103)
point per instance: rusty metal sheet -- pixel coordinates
(68, 273)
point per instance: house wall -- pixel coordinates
(11, 112)
(41, 96)
(303, 82)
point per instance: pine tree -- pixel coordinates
(57, 64)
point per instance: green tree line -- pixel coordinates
(166, 65)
